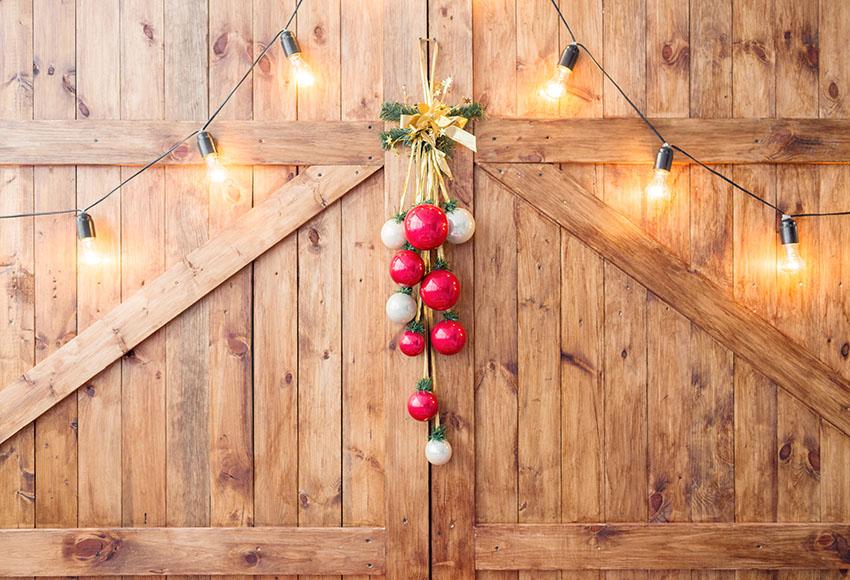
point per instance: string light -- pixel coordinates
(216, 172)
(556, 86)
(87, 237)
(792, 262)
(659, 187)
(303, 73)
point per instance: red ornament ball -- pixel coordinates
(426, 226)
(411, 343)
(406, 268)
(440, 290)
(422, 405)
(448, 337)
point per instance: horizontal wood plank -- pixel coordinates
(629, 141)
(172, 292)
(213, 551)
(106, 142)
(617, 239)
(662, 546)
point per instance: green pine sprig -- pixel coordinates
(468, 110)
(416, 326)
(393, 110)
(405, 290)
(438, 433)
(450, 315)
(399, 217)
(450, 205)
(441, 264)
(425, 384)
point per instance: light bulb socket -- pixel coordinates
(85, 226)
(289, 43)
(569, 56)
(788, 231)
(664, 159)
(206, 143)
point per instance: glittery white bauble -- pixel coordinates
(461, 225)
(438, 452)
(401, 308)
(392, 234)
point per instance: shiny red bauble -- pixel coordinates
(422, 405)
(406, 268)
(426, 226)
(411, 343)
(448, 337)
(440, 290)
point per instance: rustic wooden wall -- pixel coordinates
(277, 400)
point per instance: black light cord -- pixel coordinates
(174, 147)
(661, 138)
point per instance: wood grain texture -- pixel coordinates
(666, 547)
(162, 299)
(628, 141)
(406, 470)
(182, 551)
(242, 142)
(728, 321)
(453, 484)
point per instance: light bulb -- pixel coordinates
(556, 86)
(88, 252)
(86, 235)
(216, 172)
(303, 73)
(790, 239)
(658, 188)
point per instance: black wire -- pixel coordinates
(564, 20)
(637, 110)
(176, 145)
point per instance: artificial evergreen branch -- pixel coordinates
(399, 217)
(468, 110)
(425, 384)
(450, 205)
(440, 264)
(450, 315)
(416, 326)
(405, 290)
(393, 110)
(439, 433)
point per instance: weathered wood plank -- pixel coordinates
(141, 314)
(628, 140)
(719, 546)
(212, 551)
(731, 323)
(241, 142)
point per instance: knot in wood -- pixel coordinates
(92, 547)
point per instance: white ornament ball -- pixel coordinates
(401, 308)
(392, 234)
(461, 225)
(438, 451)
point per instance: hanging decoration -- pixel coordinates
(430, 130)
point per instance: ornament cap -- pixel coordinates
(425, 384)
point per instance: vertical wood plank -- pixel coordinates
(667, 58)
(186, 228)
(624, 37)
(537, 52)
(584, 93)
(275, 329)
(363, 265)
(99, 285)
(17, 337)
(834, 69)
(453, 484)
(142, 259)
(320, 321)
(407, 517)
(538, 371)
(230, 305)
(753, 79)
(711, 58)
(55, 270)
(495, 86)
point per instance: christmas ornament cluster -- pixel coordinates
(428, 289)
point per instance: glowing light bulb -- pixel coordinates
(216, 171)
(303, 73)
(89, 254)
(556, 86)
(658, 188)
(790, 238)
